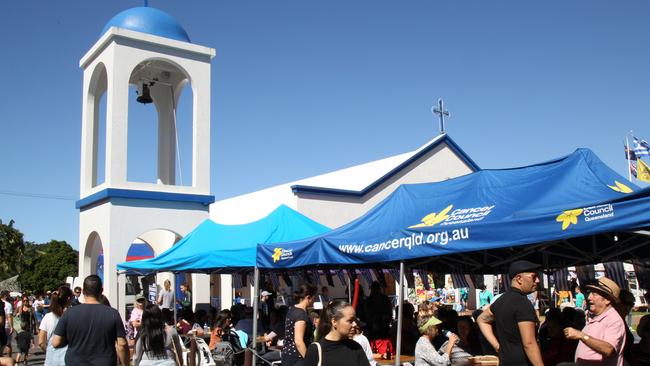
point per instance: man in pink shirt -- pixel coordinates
(602, 339)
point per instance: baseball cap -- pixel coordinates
(266, 293)
(522, 266)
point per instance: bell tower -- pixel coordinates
(146, 50)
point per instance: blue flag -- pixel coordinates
(641, 148)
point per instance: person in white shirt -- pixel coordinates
(60, 301)
(39, 308)
(425, 353)
(9, 320)
(356, 333)
(166, 297)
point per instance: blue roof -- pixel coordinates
(149, 20)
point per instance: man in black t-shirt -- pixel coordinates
(514, 318)
(91, 330)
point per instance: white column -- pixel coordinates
(166, 134)
(201, 130)
(87, 131)
(226, 291)
(200, 289)
(117, 111)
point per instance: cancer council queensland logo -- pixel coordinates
(569, 217)
(434, 218)
(591, 213)
(281, 254)
(457, 216)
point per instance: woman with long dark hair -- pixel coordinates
(26, 313)
(334, 346)
(158, 344)
(221, 325)
(298, 330)
(60, 301)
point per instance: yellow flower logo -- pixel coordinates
(277, 253)
(620, 187)
(434, 218)
(569, 217)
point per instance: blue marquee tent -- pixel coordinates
(213, 247)
(563, 212)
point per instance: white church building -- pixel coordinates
(147, 49)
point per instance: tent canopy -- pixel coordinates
(574, 209)
(213, 247)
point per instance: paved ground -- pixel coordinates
(36, 355)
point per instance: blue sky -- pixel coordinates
(301, 88)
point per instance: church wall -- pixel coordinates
(441, 163)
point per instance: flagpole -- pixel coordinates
(629, 163)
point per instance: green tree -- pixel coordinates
(12, 247)
(46, 266)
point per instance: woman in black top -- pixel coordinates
(336, 347)
(298, 330)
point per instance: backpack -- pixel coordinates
(223, 354)
(233, 339)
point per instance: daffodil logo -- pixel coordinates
(620, 187)
(569, 217)
(277, 253)
(434, 218)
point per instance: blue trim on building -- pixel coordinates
(110, 193)
(301, 189)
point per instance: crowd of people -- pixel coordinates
(591, 332)
(568, 335)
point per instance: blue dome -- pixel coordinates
(149, 20)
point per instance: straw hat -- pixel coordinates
(607, 288)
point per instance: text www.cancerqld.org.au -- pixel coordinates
(409, 242)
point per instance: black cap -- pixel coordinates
(518, 267)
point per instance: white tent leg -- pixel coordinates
(174, 293)
(349, 290)
(400, 303)
(256, 298)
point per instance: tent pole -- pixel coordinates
(118, 296)
(349, 290)
(547, 271)
(174, 292)
(256, 298)
(400, 302)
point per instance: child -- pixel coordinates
(24, 342)
(315, 320)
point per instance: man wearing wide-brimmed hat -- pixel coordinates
(602, 339)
